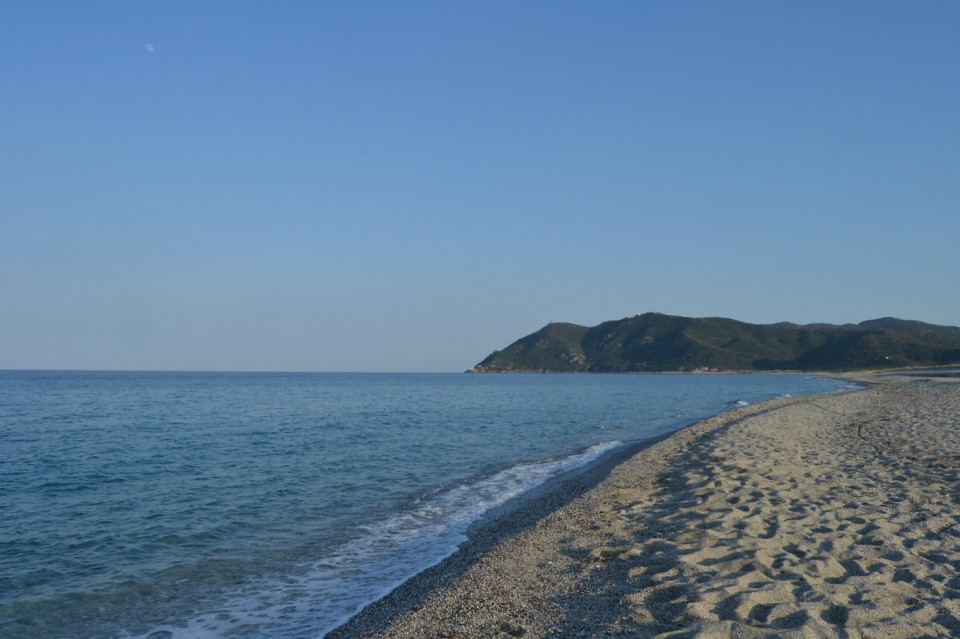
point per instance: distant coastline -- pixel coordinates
(659, 343)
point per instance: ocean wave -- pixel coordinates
(314, 598)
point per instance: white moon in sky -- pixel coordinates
(149, 47)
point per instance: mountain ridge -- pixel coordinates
(655, 342)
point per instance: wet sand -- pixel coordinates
(823, 516)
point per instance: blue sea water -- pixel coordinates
(247, 505)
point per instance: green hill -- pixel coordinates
(655, 342)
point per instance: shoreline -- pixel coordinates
(580, 557)
(503, 522)
(517, 516)
(513, 517)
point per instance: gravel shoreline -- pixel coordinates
(514, 518)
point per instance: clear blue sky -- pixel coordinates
(407, 186)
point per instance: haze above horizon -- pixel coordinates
(366, 186)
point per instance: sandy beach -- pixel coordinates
(822, 516)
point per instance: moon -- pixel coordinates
(149, 47)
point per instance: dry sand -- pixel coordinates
(825, 516)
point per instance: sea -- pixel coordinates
(162, 505)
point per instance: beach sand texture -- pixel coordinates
(824, 516)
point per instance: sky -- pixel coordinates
(408, 186)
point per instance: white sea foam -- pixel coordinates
(315, 598)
